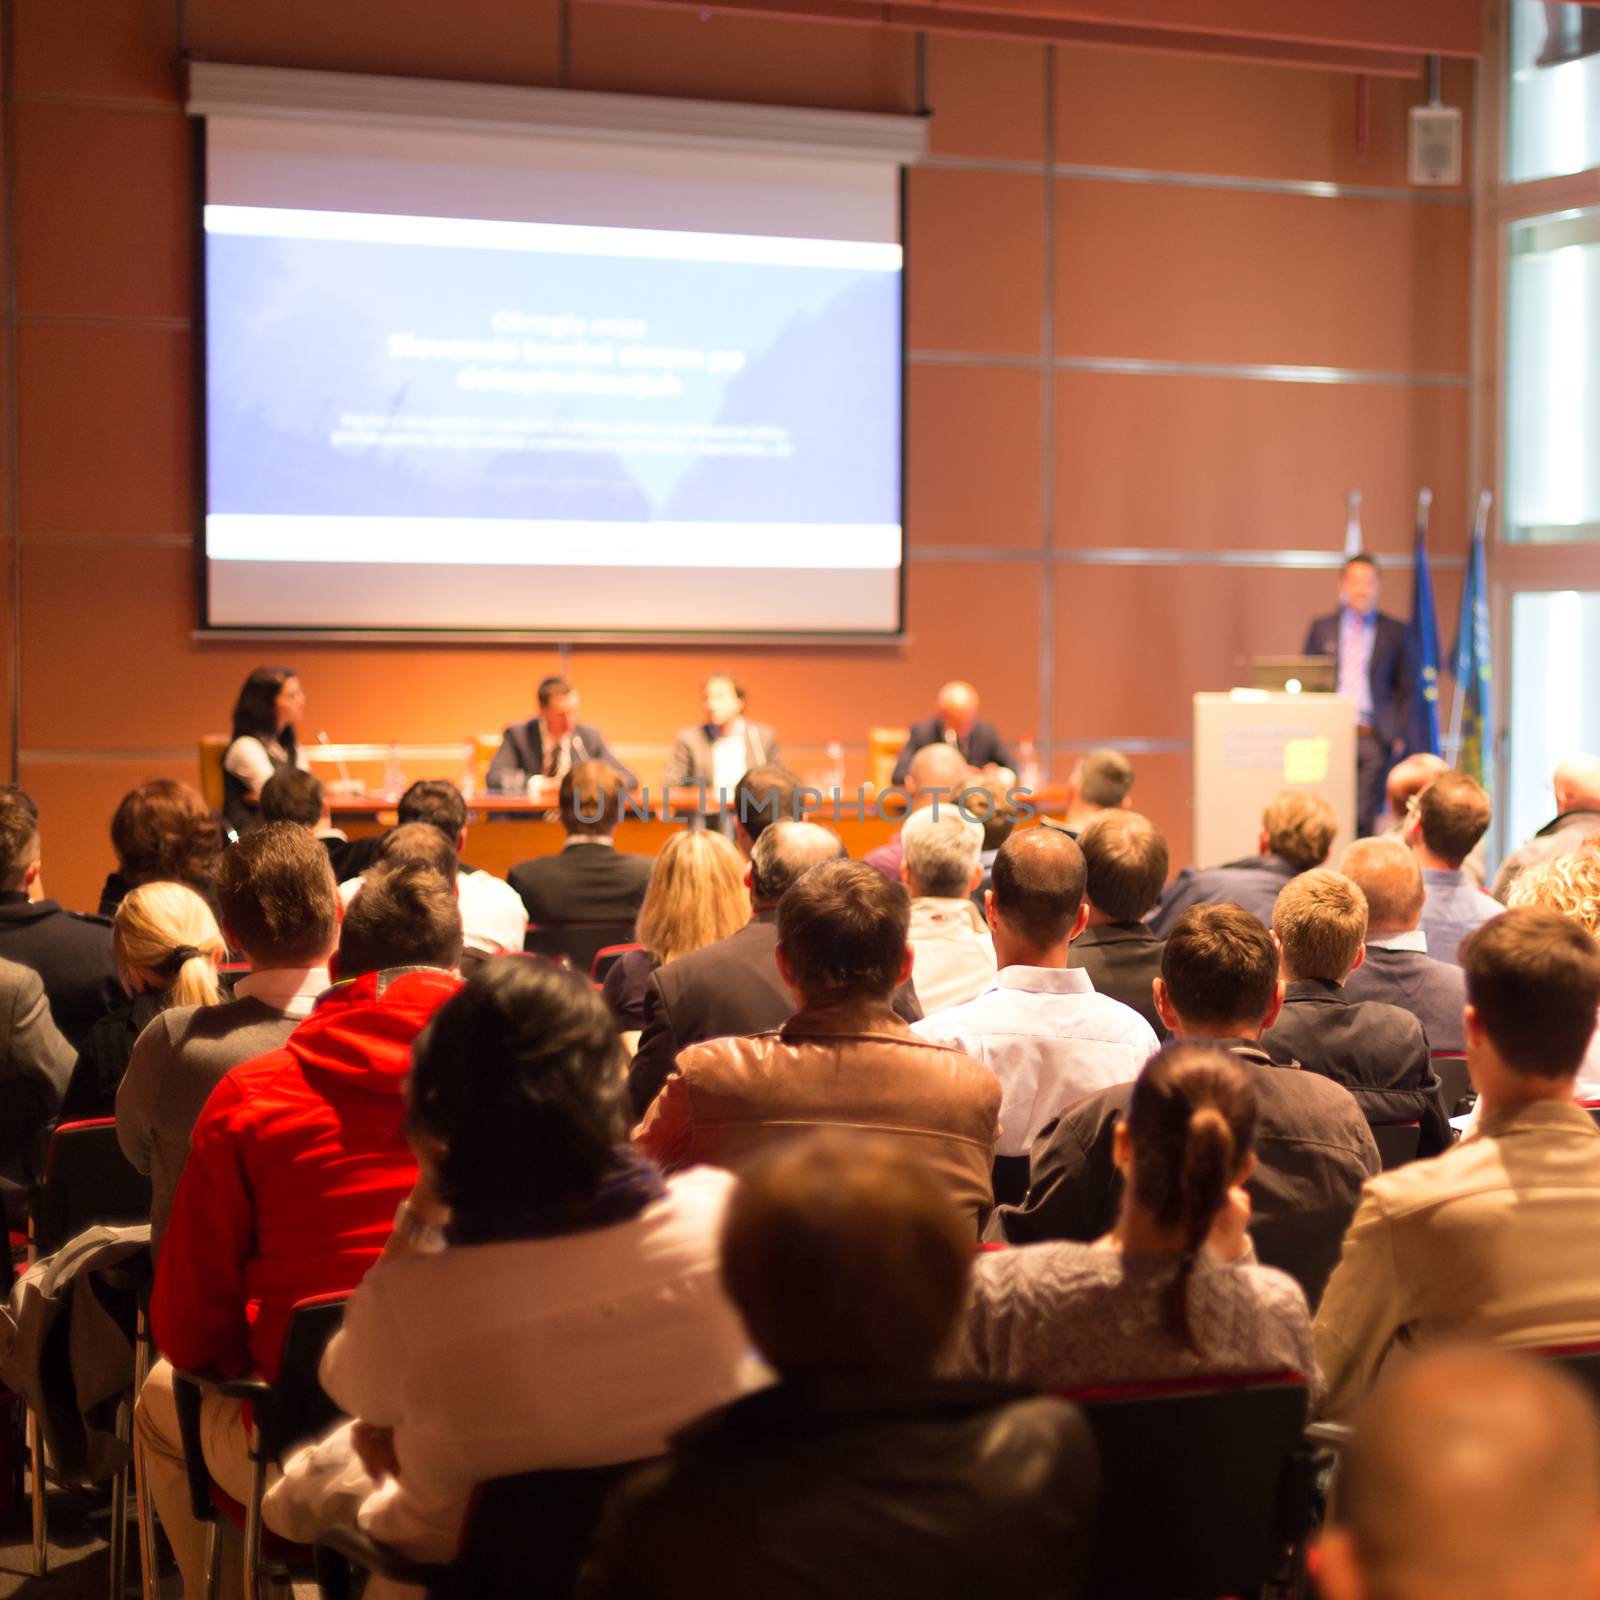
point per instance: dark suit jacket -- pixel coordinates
(1432, 991)
(582, 883)
(1391, 672)
(724, 990)
(1314, 1151)
(1378, 1052)
(1122, 960)
(522, 751)
(70, 952)
(981, 746)
(1252, 883)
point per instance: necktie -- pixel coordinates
(1350, 663)
(552, 762)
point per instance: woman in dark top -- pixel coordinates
(696, 895)
(269, 708)
(163, 831)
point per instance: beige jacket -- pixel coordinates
(849, 1064)
(1494, 1241)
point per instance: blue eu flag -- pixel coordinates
(1422, 731)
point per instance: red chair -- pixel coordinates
(1455, 1082)
(606, 958)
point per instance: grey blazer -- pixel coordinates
(36, 1065)
(690, 760)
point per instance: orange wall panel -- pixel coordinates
(113, 49)
(973, 456)
(490, 41)
(704, 55)
(1154, 271)
(975, 262)
(1238, 464)
(1126, 108)
(89, 181)
(986, 98)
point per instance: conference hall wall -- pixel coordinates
(1107, 251)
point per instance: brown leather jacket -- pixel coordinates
(848, 1063)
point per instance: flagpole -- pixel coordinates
(1352, 524)
(1458, 703)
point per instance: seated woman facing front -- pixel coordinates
(546, 1299)
(1174, 1289)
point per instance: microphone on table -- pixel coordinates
(346, 782)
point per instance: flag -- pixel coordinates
(1472, 665)
(1422, 729)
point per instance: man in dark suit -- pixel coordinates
(732, 987)
(1397, 969)
(956, 723)
(550, 744)
(1127, 864)
(590, 880)
(1375, 668)
(720, 750)
(1378, 1052)
(71, 952)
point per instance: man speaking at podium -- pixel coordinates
(1371, 652)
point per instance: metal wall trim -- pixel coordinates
(57, 319)
(1146, 556)
(1258, 372)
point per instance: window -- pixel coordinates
(1555, 90)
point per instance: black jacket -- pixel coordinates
(1314, 1151)
(859, 1489)
(1123, 959)
(1252, 884)
(1378, 1052)
(521, 753)
(980, 747)
(723, 990)
(582, 883)
(72, 955)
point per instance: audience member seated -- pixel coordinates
(70, 952)
(167, 948)
(1039, 1026)
(35, 1068)
(1447, 819)
(1490, 1241)
(1472, 1474)
(1101, 783)
(954, 951)
(545, 1299)
(590, 880)
(1219, 983)
(939, 773)
(1398, 969)
(733, 986)
(1577, 789)
(1569, 883)
(291, 795)
(1376, 1051)
(280, 908)
(163, 831)
(1406, 780)
(1297, 832)
(859, 1476)
(696, 896)
(296, 1168)
(1174, 1289)
(764, 795)
(493, 921)
(844, 1057)
(1127, 866)
(956, 725)
(266, 719)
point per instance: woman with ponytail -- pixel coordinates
(166, 944)
(1174, 1289)
(546, 1298)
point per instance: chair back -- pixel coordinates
(1455, 1082)
(87, 1180)
(213, 747)
(528, 1536)
(605, 959)
(1205, 1484)
(883, 750)
(1009, 1177)
(576, 942)
(296, 1407)
(1397, 1142)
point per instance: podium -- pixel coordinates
(1250, 745)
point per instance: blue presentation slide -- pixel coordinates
(384, 388)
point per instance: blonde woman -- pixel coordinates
(696, 895)
(1569, 883)
(166, 945)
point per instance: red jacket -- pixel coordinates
(295, 1169)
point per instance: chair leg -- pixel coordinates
(41, 1544)
(144, 1506)
(213, 1558)
(252, 1533)
(117, 1540)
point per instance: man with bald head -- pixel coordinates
(1039, 1025)
(733, 986)
(1398, 969)
(1577, 788)
(1472, 1475)
(956, 724)
(937, 776)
